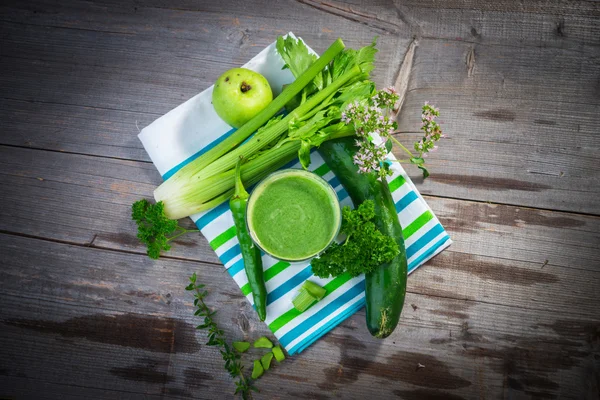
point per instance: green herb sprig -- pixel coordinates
(155, 229)
(216, 337)
(373, 118)
(364, 250)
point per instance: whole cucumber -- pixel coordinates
(386, 287)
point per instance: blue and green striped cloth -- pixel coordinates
(193, 128)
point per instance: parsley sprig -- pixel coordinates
(365, 248)
(216, 337)
(155, 229)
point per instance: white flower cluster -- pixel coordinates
(431, 128)
(371, 120)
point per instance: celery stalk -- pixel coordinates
(266, 361)
(278, 353)
(241, 347)
(309, 293)
(315, 290)
(258, 142)
(263, 342)
(303, 301)
(196, 196)
(183, 197)
(290, 91)
(257, 369)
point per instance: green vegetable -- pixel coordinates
(298, 59)
(266, 361)
(179, 184)
(386, 286)
(251, 126)
(250, 252)
(241, 347)
(314, 290)
(263, 342)
(209, 179)
(257, 370)
(155, 230)
(303, 301)
(310, 292)
(278, 353)
(216, 337)
(364, 250)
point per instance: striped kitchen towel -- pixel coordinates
(193, 128)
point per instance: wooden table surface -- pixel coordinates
(511, 310)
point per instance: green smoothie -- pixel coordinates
(293, 215)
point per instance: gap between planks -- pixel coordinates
(113, 311)
(38, 381)
(171, 258)
(90, 245)
(16, 146)
(79, 105)
(574, 213)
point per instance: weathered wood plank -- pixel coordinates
(515, 137)
(19, 387)
(127, 325)
(74, 129)
(521, 118)
(509, 311)
(130, 68)
(535, 23)
(505, 247)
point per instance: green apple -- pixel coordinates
(239, 94)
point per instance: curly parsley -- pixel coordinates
(365, 248)
(155, 229)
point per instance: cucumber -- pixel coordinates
(385, 288)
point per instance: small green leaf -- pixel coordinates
(389, 145)
(425, 172)
(304, 154)
(417, 160)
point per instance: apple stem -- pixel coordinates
(245, 87)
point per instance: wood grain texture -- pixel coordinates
(508, 311)
(117, 322)
(498, 251)
(521, 113)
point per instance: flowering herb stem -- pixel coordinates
(374, 126)
(402, 147)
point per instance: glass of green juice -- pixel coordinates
(293, 215)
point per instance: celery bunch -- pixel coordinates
(315, 102)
